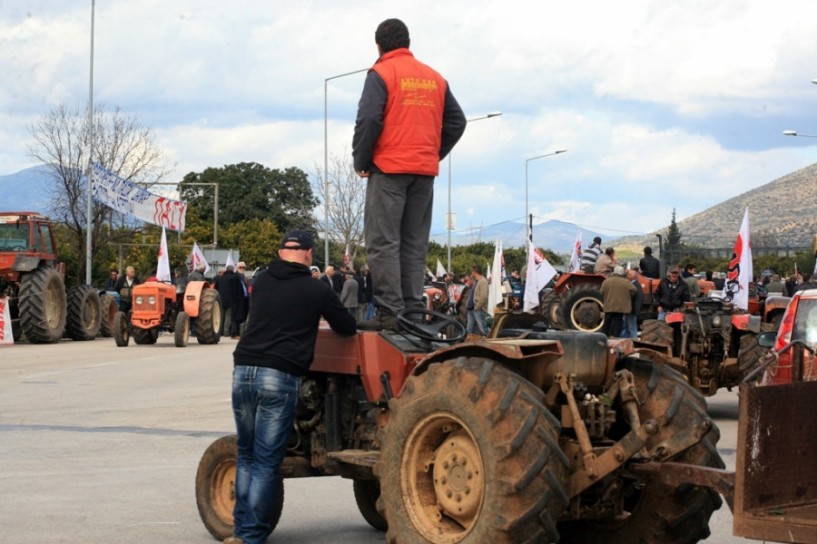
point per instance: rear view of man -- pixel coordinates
(271, 357)
(407, 122)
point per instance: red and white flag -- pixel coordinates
(6, 334)
(496, 276)
(346, 258)
(196, 259)
(739, 273)
(163, 268)
(576, 254)
(540, 272)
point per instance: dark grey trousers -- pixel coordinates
(397, 222)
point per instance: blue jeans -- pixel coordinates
(630, 326)
(264, 402)
(477, 322)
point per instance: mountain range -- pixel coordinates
(781, 212)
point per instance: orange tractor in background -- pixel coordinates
(32, 278)
(157, 306)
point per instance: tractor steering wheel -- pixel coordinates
(431, 326)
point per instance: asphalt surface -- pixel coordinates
(100, 444)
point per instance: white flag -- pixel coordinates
(230, 261)
(6, 333)
(576, 254)
(163, 268)
(540, 272)
(440, 269)
(196, 258)
(740, 271)
(497, 277)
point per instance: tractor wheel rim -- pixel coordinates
(222, 491)
(443, 478)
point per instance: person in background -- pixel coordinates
(478, 303)
(649, 265)
(689, 276)
(348, 295)
(589, 256)
(618, 294)
(606, 263)
(124, 286)
(110, 283)
(630, 329)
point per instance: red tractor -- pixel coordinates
(158, 307)
(31, 276)
(526, 438)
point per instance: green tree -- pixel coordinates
(672, 242)
(256, 239)
(250, 191)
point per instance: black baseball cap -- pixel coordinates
(299, 237)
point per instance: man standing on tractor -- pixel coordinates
(271, 357)
(672, 292)
(407, 122)
(649, 265)
(590, 255)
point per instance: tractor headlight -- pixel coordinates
(716, 321)
(151, 300)
(138, 300)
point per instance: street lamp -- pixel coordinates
(449, 224)
(326, 156)
(528, 229)
(795, 133)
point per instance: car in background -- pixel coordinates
(798, 327)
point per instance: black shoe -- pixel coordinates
(380, 322)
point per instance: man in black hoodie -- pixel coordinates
(271, 357)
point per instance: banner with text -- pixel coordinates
(129, 198)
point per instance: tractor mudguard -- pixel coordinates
(192, 297)
(746, 322)
(675, 317)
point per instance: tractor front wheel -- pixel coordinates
(470, 455)
(121, 329)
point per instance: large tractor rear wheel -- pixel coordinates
(657, 513)
(208, 324)
(366, 494)
(215, 488)
(43, 306)
(109, 310)
(583, 308)
(657, 331)
(470, 455)
(84, 313)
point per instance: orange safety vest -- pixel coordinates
(413, 119)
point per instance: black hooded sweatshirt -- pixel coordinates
(287, 304)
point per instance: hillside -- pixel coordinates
(781, 213)
(27, 190)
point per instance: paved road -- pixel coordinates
(100, 444)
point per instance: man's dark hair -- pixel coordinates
(609, 251)
(647, 250)
(597, 240)
(477, 268)
(689, 267)
(392, 34)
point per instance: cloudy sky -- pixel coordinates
(660, 104)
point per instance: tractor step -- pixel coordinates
(361, 458)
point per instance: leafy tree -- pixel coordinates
(258, 241)
(62, 140)
(249, 191)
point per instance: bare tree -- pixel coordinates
(346, 204)
(62, 143)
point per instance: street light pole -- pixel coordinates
(528, 229)
(89, 174)
(326, 156)
(449, 224)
